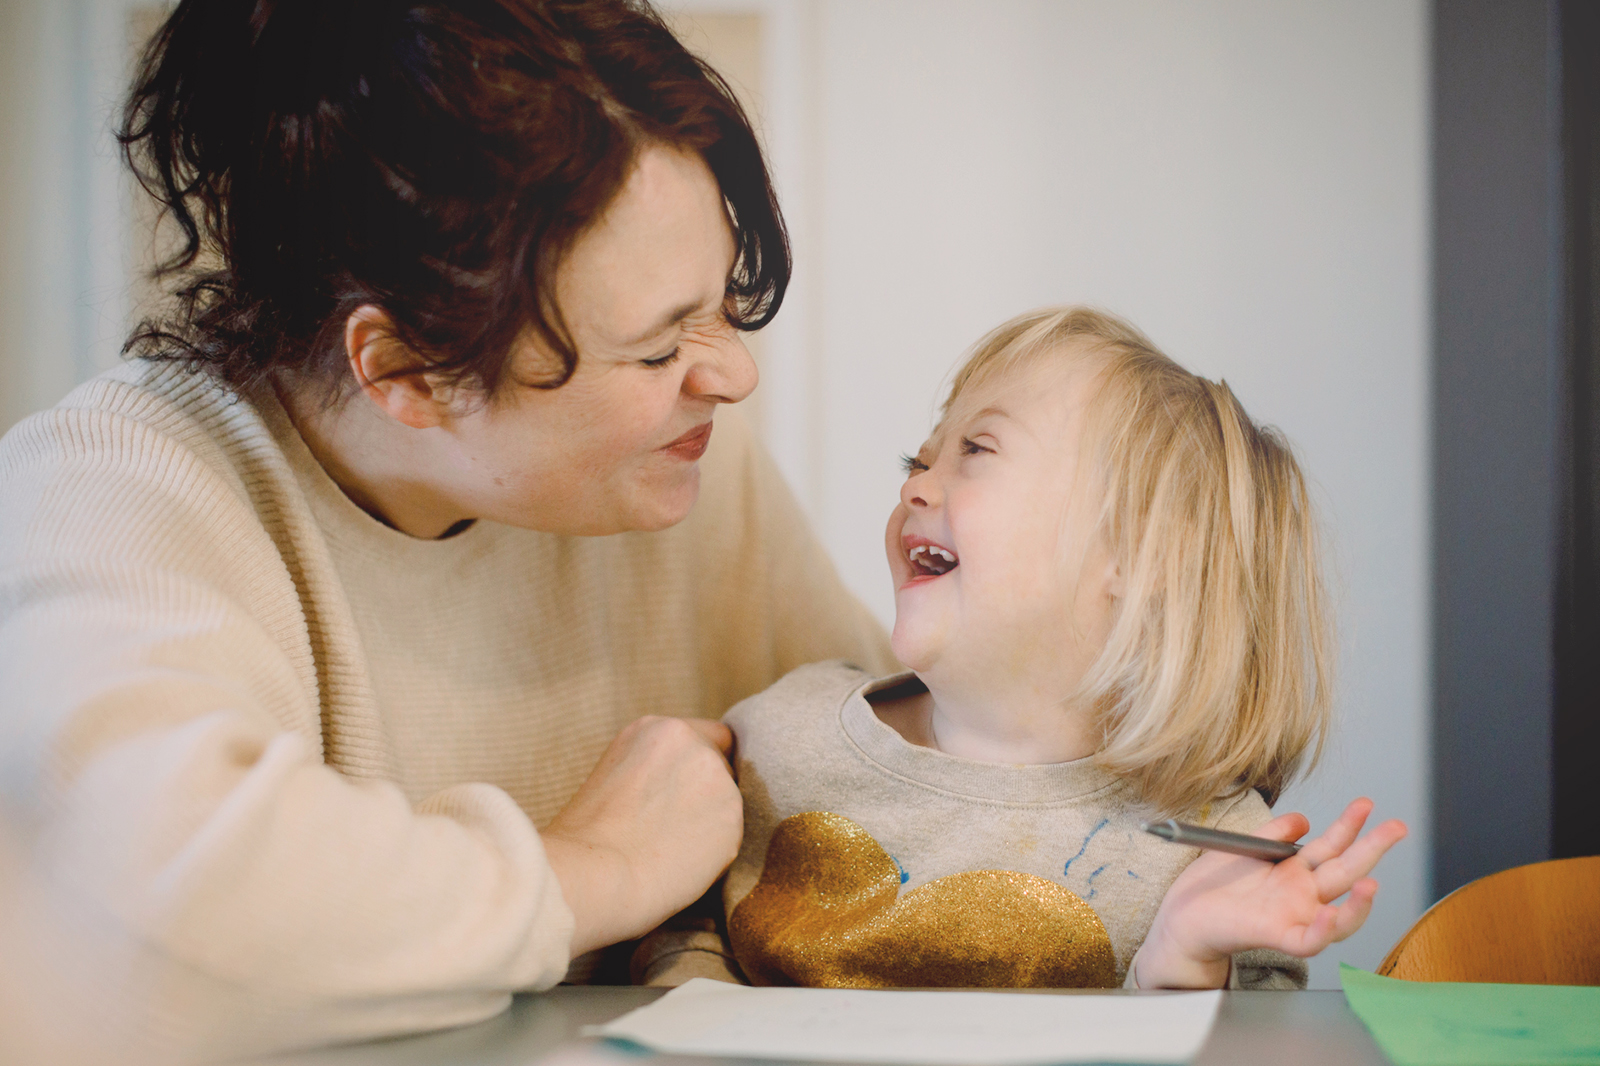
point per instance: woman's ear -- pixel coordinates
(389, 374)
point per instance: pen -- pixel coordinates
(1217, 840)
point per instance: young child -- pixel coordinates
(1107, 588)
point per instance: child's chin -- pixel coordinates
(912, 648)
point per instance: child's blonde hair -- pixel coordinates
(1216, 675)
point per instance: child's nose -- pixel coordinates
(918, 490)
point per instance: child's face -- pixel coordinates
(1000, 574)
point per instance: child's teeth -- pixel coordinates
(932, 557)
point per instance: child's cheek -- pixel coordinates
(893, 549)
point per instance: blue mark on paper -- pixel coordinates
(1067, 869)
(1092, 889)
(904, 877)
(1135, 876)
(630, 1048)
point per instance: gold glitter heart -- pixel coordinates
(827, 912)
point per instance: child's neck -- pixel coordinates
(1007, 725)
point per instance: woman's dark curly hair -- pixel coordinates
(433, 159)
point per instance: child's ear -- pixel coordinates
(1116, 587)
(390, 374)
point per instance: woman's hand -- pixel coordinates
(655, 824)
(1224, 904)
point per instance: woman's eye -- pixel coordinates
(972, 447)
(912, 465)
(661, 360)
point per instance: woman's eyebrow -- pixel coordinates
(665, 322)
(679, 313)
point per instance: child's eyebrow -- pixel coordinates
(941, 433)
(1026, 429)
(992, 411)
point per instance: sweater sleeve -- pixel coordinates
(692, 943)
(163, 743)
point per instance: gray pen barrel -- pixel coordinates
(1216, 840)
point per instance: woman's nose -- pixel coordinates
(724, 372)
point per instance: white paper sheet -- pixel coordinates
(933, 1028)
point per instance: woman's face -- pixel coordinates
(642, 294)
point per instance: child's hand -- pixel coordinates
(1224, 903)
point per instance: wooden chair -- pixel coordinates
(1536, 925)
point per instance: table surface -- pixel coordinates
(1252, 1029)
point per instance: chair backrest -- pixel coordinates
(1536, 925)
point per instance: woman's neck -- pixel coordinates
(373, 459)
(1014, 724)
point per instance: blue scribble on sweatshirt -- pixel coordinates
(1067, 869)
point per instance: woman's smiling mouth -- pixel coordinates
(692, 445)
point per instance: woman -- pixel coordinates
(311, 614)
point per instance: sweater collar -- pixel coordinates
(1007, 783)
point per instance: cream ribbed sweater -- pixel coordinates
(290, 760)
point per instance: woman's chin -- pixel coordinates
(639, 508)
(666, 505)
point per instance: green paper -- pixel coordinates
(1443, 1023)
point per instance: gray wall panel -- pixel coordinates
(1496, 256)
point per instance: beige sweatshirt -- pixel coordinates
(870, 861)
(286, 762)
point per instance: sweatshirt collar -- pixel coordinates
(1007, 783)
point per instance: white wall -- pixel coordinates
(65, 258)
(37, 266)
(1247, 181)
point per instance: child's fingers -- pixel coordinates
(1309, 939)
(1353, 911)
(1336, 876)
(1287, 827)
(1333, 923)
(1339, 835)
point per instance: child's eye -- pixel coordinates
(661, 360)
(912, 465)
(972, 447)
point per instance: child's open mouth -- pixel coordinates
(930, 560)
